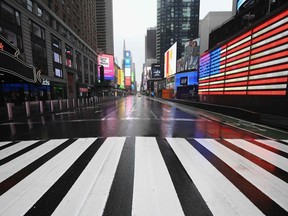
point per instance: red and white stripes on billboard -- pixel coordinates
(254, 63)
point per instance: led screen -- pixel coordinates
(240, 3)
(191, 79)
(128, 81)
(107, 61)
(254, 63)
(170, 61)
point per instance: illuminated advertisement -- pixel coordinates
(127, 59)
(191, 55)
(170, 61)
(254, 63)
(128, 81)
(122, 84)
(107, 61)
(186, 79)
(119, 76)
(127, 72)
(156, 71)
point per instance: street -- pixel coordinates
(141, 156)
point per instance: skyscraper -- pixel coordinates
(177, 21)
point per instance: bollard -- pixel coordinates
(67, 103)
(41, 107)
(73, 103)
(27, 106)
(52, 106)
(60, 104)
(78, 102)
(10, 110)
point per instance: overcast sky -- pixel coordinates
(132, 18)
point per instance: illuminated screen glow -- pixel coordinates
(192, 78)
(254, 63)
(170, 61)
(107, 61)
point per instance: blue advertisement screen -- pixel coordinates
(192, 78)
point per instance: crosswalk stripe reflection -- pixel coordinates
(153, 190)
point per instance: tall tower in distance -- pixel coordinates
(177, 21)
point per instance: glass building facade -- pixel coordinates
(177, 21)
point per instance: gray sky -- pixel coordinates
(131, 19)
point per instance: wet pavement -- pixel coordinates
(134, 116)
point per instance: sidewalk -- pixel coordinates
(280, 122)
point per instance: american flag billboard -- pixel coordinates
(254, 63)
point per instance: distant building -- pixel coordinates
(208, 23)
(177, 21)
(104, 16)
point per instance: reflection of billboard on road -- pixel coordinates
(107, 61)
(170, 61)
(191, 55)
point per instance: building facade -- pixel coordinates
(57, 37)
(104, 14)
(177, 21)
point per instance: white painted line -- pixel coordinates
(90, 192)
(20, 198)
(221, 196)
(262, 153)
(154, 192)
(274, 144)
(269, 184)
(285, 141)
(10, 168)
(3, 143)
(15, 148)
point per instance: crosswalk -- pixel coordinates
(144, 176)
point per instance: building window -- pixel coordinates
(69, 56)
(57, 58)
(39, 12)
(30, 5)
(9, 14)
(58, 72)
(37, 30)
(56, 42)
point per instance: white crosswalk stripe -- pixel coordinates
(76, 177)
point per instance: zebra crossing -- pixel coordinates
(144, 176)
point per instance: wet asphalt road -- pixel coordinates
(130, 116)
(141, 156)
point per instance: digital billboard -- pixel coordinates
(128, 81)
(107, 61)
(170, 61)
(186, 79)
(254, 63)
(191, 55)
(156, 71)
(243, 3)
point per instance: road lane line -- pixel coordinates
(22, 196)
(10, 168)
(154, 192)
(221, 196)
(262, 153)
(89, 193)
(270, 185)
(15, 148)
(274, 144)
